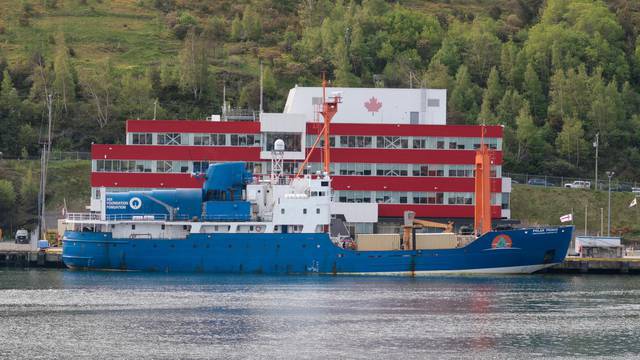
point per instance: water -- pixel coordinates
(98, 315)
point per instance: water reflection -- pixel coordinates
(136, 315)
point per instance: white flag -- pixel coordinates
(634, 202)
(566, 218)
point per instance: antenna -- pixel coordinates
(277, 157)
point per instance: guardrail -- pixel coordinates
(563, 181)
(54, 156)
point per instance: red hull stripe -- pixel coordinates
(407, 130)
(170, 152)
(193, 126)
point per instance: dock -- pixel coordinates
(579, 265)
(24, 256)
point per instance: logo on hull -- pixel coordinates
(501, 241)
(135, 203)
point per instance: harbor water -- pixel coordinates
(61, 314)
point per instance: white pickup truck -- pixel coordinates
(578, 184)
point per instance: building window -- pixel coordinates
(304, 211)
(433, 102)
(169, 138)
(209, 139)
(141, 138)
(245, 140)
(292, 141)
(200, 166)
(392, 142)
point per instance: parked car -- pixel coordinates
(578, 184)
(622, 188)
(538, 182)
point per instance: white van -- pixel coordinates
(578, 184)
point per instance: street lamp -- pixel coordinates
(609, 174)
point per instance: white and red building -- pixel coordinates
(391, 151)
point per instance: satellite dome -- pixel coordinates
(278, 145)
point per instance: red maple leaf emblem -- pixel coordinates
(373, 105)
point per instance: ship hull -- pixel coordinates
(500, 252)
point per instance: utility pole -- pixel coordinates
(44, 162)
(595, 144)
(601, 221)
(609, 174)
(586, 209)
(155, 108)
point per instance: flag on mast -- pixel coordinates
(566, 218)
(634, 202)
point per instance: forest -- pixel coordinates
(554, 73)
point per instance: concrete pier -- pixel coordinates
(577, 265)
(23, 255)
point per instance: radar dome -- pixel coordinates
(278, 145)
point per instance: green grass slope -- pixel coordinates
(543, 206)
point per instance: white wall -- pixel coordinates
(397, 104)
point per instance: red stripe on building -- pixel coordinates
(170, 152)
(353, 183)
(401, 183)
(145, 180)
(407, 130)
(193, 126)
(433, 211)
(404, 156)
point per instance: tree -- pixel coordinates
(437, 76)
(533, 93)
(194, 67)
(10, 115)
(251, 24)
(509, 107)
(7, 200)
(237, 33)
(463, 97)
(135, 98)
(526, 132)
(486, 115)
(64, 83)
(101, 88)
(494, 90)
(570, 142)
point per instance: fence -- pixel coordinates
(563, 181)
(55, 156)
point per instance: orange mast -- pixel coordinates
(328, 110)
(482, 209)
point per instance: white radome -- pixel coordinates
(278, 145)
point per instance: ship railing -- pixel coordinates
(76, 216)
(145, 217)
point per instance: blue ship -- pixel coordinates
(239, 224)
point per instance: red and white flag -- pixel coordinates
(566, 218)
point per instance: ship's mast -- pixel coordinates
(482, 208)
(328, 110)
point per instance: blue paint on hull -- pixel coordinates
(305, 253)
